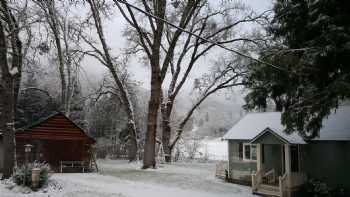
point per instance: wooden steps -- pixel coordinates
(268, 190)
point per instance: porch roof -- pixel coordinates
(281, 137)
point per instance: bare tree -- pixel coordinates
(229, 76)
(10, 70)
(222, 24)
(149, 39)
(105, 57)
(180, 50)
(65, 31)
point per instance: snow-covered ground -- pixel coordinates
(215, 148)
(121, 179)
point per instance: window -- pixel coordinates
(249, 151)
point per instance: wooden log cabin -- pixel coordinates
(58, 141)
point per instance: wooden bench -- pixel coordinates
(73, 165)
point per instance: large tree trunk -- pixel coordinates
(156, 88)
(132, 145)
(9, 84)
(166, 109)
(153, 106)
(166, 142)
(7, 118)
(7, 125)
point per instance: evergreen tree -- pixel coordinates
(33, 103)
(312, 47)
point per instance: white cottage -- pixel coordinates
(274, 163)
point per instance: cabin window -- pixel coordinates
(249, 151)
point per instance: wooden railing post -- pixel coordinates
(254, 182)
(280, 182)
(283, 181)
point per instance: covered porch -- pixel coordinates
(279, 170)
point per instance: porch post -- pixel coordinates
(258, 157)
(287, 158)
(228, 158)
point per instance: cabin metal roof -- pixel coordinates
(336, 127)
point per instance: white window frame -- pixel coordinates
(244, 156)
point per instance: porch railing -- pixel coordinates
(256, 179)
(269, 177)
(283, 184)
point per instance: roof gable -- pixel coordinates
(55, 127)
(269, 136)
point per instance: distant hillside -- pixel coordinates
(213, 118)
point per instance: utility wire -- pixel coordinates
(198, 36)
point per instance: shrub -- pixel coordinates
(22, 172)
(318, 188)
(44, 176)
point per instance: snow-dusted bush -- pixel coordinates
(21, 172)
(318, 188)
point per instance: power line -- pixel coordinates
(197, 36)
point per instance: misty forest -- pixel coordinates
(174, 97)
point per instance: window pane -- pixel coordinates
(253, 152)
(247, 151)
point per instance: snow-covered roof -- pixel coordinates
(335, 128)
(254, 123)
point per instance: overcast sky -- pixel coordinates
(114, 29)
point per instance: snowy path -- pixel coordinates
(121, 179)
